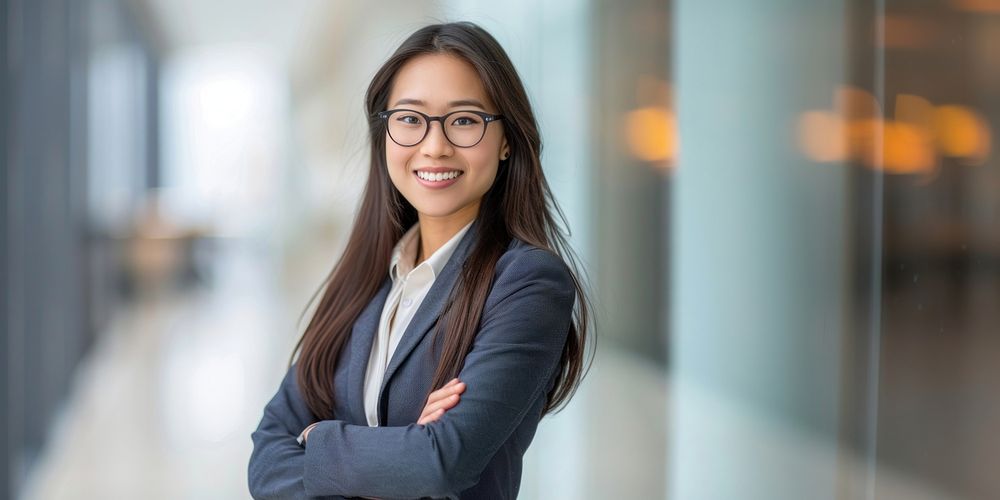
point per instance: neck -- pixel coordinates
(436, 231)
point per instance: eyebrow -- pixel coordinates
(452, 104)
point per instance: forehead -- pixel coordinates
(437, 80)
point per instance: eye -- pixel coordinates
(465, 121)
(409, 119)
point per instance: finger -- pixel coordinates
(444, 403)
(440, 394)
(450, 385)
(431, 418)
(426, 419)
(456, 388)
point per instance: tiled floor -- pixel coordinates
(164, 406)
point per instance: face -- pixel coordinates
(436, 84)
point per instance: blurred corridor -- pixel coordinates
(789, 213)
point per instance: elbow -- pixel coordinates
(446, 485)
(252, 483)
(263, 481)
(453, 483)
(451, 480)
(452, 464)
(264, 489)
(256, 489)
(444, 472)
(255, 473)
(255, 483)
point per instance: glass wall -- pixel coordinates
(834, 334)
(936, 75)
(634, 148)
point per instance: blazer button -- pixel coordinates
(407, 302)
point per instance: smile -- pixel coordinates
(438, 180)
(438, 176)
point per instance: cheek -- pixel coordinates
(396, 159)
(485, 160)
(396, 156)
(485, 169)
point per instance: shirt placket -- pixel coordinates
(384, 360)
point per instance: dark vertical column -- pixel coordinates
(43, 285)
(44, 217)
(4, 238)
(77, 75)
(13, 244)
(45, 321)
(153, 178)
(28, 170)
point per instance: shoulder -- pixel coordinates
(523, 262)
(530, 281)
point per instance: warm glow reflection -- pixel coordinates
(984, 6)
(906, 149)
(909, 144)
(853, 103)
(915, 110)
(907, 32)
(962, 133)
(651, 134)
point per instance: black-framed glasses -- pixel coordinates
(463, 128)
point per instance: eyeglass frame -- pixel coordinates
(486, 117)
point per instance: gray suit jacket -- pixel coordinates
(474, 450)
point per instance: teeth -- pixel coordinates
(441, 176)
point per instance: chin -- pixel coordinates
(435, 210)
(438, 208)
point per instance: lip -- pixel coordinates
(440, 184)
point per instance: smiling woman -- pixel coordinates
(452, 323)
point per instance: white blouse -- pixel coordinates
(409, 286)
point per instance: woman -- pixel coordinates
(452, 279)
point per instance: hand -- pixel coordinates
(441, 400)
(308, 429)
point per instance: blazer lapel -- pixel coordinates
(429, 310)
(360, 347)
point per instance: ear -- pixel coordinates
(504, 150)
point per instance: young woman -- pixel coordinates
(448, 328)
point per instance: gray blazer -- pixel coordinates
(474, 450)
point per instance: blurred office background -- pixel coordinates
(789, 212)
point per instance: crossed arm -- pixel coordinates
(438, 402)
(512, 361)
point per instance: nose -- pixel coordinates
(435, 145)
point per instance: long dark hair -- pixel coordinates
(518, 205)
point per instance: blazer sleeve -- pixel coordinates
(277, 460)
(511, 364)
